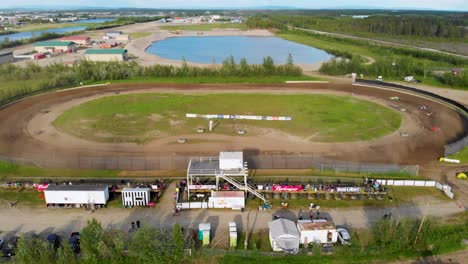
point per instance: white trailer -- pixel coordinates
(78, 195)
(136, 196)
(227, 199)
(317, 231)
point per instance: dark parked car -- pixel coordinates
(12, 242)
(7, 252)
(54, 240)
(74, 242)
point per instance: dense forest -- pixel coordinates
(454, 27)
(17, 81)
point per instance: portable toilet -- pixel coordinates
(232, 234)
(233, 239)
(204, 233)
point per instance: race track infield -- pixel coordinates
(27, 131)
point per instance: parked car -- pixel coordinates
(1, 242)
(7, 252)
(343, 236)
(54, 240)
(74, 242)
(12, 242)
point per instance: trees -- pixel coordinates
(151, 245)
(92, 237)
(32, 249)
(65, 254)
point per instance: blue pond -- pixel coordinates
(94, 20)
(30, 34)
(254, 49)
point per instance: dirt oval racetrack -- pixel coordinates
(26, 133)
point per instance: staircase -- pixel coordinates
(243, 187)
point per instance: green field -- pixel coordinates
(462, 155)
(206, 27)
(143, 117)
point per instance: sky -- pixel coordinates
(458, 5)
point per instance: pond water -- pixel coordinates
(30, 34)
(254, 49)
(94, 20)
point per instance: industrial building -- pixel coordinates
(76, 195)
(79, 40)
(284, 235)
(106, 55)
(55, 46)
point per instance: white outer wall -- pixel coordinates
(320, 235)
(42, 49)
(226, 202)
(76, 197)
(273, 244)
(135, 198)
(104, 57)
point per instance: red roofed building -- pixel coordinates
(80, 40)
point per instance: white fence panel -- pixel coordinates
(409, 183)
(419, 183)
(390, 182)
(430, 183)
(449, 194)
(438, 186)
(398, 183)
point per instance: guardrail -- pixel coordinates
(452, 147)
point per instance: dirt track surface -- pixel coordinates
(25, 130)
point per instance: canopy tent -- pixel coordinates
(284, 235)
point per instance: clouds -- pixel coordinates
(460, 5)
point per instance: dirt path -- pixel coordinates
(42, 220)
(387, 43)
(49, 148)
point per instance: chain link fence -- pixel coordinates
(180, 162)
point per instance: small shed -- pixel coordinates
(106, 55)
(113, 34)
(136, 196)
(79, 195)
(284, 235)
(122, 38)
(229, 160)
(55, 46)
(317, 231)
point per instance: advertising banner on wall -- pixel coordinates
(348, 189)
(201, 187)
(287, 188)
(241, 117)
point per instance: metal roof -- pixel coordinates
(78, 187)
(316, 226)
(74, 38)
(210, 167)
(281, 227)
(231, 155)
(105, 51)
(53, 43)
